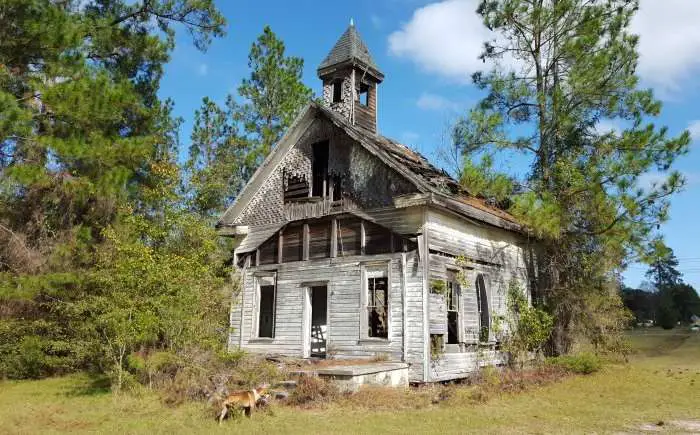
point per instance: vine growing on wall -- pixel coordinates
(524, 329)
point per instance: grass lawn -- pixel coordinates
(661, 383)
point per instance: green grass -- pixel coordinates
(661, 383)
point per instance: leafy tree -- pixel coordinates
(679, 299)
(85, 143)
(561, 68)
(642, 303)
(667, 315)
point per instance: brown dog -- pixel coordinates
(245, 400)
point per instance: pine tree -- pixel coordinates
(273, 94)
(561, 68)
(227, 145)
(86, 147)
(663, 270)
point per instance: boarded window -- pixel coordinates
(266, 307)
(377, 307)
(483, 303)
(452, 295)
(377, 239)
(292, 243)
(349, 237)
(320, 239)
(297, 188)
(268, 250)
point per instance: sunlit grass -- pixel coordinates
(660, 384)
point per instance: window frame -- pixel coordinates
(368, 271)
(487, 285)
(454, 296)
(363, 93)
(260, 281)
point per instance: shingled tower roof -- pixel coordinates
(350, 49)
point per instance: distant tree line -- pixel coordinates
(666, 300)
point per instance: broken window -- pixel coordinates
(377, 303)
(266, 306)
(483, 304)
(320, 169)
(363, 94)
(452, 296)
(337, 91)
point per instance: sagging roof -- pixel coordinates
(427, 177)
(436, 187)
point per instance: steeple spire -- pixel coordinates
(350, 49)
(350, 79)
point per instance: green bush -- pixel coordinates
(583, 363)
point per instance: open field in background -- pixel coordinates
(661, 384)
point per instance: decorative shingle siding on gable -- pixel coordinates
(365, 179)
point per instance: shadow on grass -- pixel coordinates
(91, 385)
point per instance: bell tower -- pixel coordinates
(350, 80)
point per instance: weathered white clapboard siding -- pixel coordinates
(438, 314)
(343, 277)
(457, 365)
(400, 220)
(495, 253)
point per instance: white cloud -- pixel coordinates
(203, 69)
(606, 126)
(428, 101)
(444, 38)
(447, 37)
(694, 129)
(669, 42)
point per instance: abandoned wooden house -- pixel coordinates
(351, 245)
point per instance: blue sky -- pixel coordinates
(427, 51)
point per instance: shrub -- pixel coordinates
(313, 389)
(583, 363)
(524, 330)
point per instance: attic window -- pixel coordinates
(337, 91)
(363, 95)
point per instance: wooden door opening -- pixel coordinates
(319, 320)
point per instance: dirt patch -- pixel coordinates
(686, 426)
